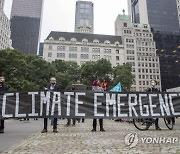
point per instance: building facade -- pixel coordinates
(168, 50)
(84, 18)
(140, 51)
(81, 47)
(26, 16)
(161, 15)
(5, 41)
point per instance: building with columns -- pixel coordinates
(140, 51)
(5, 41)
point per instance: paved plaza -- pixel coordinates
(80, 140)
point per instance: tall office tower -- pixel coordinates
(26, 16)
(84, 19)
(5, 41)
(161, 15)
(140, 52)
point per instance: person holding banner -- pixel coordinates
(97, 88)
(154, 89)
(51, 87)
(2, 89)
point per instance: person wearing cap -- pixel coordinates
(3, 88)
(51, 87)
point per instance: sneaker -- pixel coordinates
(2, 131)
(158, 128)
(44, 131)
(102, 130)
(73, 124)
(93, 130)
(147, 127)
(55, 130)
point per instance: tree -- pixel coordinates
(122, 73)
(66, 73)
(99, 70)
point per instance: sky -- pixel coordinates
(59, 15)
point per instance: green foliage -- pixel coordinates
(100, 69)
(122, 73)
(27, 72)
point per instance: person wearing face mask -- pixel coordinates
(3, 88)
(51, 87)
(153, 88)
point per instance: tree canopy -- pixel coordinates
(27, 72)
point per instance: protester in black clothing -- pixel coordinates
(51, 87)
(154, 89)
(69, 122)
(3, 88)
(97, 88)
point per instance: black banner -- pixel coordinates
(88, 104)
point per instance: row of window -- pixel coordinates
(148, 64)
(147, 59)
(148, 77)
(145, 49)
(148, 70)
(83, 56)
(146, 82)
(142, 43)
(84, 41)
(83, 49)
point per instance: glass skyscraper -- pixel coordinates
(26, 16)
(84, 19)
(161, 15)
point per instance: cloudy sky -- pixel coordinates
(59, 15)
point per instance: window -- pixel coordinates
(117, 57)
(51, 38)
(96, 41)
(50, 47)
(73, 40)
(96, 57)
(96, 50)
(72, 48)
(125, 24)
(107, 57)
(61, 39)
(84, 49)
(61, 48)
(117, 51)
(107, 42)
(84, 41)
(107, 51)
(49, 54)
(72, 55)
(84, 56)
(61, 55)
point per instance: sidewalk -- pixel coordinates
(80, 140)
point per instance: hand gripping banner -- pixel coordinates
(88, 104)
